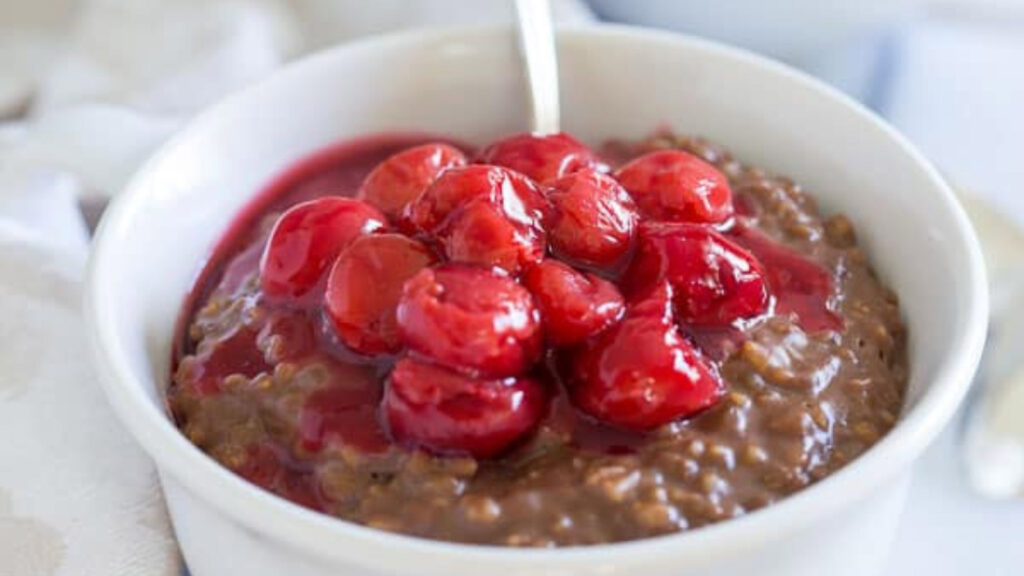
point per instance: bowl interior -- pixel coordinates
(616, 83)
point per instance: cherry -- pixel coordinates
(470, 319)
(307, 238)
(364, 286)
(642, 373)
(542, 158)
(573, 306)
(481, 233)
(677, 186)
(592, 219)
(450, 413)
(400, 179)
(517, 196)
(714, 279)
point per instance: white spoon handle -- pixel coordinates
(537, 49)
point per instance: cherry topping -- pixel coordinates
(364, 286)
(400, 179)
(715, 281)
(262, 465)
(308, 237)
(517, 196)
(469, 318)
(592, 220)
(271, 467)
(573, 306)
(542, 158)
(451, 413)
(232, 354)
(343, 413)
(677, 186)
(801, 286)
(642, 373)
(481, 233)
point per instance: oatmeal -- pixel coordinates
(585, 376)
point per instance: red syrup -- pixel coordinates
(799, 285)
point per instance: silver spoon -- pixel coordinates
(992, 431)
(537, 49)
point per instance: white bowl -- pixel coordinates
(618, 82)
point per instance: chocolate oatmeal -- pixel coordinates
(800, 368)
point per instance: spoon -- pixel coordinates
(992, 432)
(537, 49)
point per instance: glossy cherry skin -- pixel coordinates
(715, 280)
(481, 233)
(592, 219)
(446, 412)
(573, 306)
(401, 178)
(518, 197)
(677, 186)
(364, 286)
(308, 237)
(542, 158)
(470, 319)
(642, 373)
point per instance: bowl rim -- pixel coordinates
(328, 537)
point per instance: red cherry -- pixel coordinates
(364, 286)
(481, 233)
(469, 318)
(400, 179)
(308, 237)
(542, 158)
(573, 306)
(517, 196)
(676, 186)
(714, 279)
(449, 413)
(593, 219)
(642, 373)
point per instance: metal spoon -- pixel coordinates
(992, 431)
(537, 49)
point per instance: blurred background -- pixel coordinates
(949, 73)
(88, 88)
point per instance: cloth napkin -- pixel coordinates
(85, 102)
